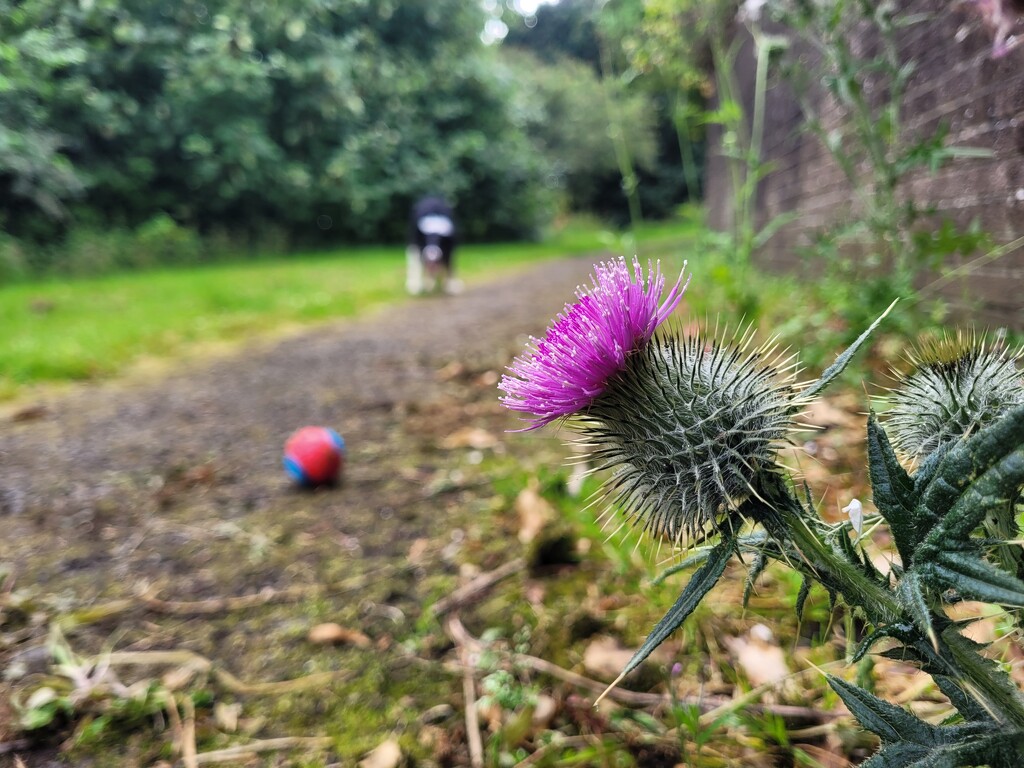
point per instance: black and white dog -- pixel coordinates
(431, 245)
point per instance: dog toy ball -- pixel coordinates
(314, 456)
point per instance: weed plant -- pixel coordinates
(688, 427)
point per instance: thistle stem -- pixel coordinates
(785, 520)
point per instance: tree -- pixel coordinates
(323, 118)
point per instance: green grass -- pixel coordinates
(54, 332)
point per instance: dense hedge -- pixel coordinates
(319, 118)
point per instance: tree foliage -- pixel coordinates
(585, 46)
(564, 107)
(315, 116)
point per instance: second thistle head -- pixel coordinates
(957, 385)
(684, 425)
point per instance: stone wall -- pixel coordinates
(957, 84)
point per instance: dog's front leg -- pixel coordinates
(413, 271)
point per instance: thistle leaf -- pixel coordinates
(908, 742)
(699, 557)
(760, 562)
(1001, 750)
(977, 477)
(965, 705)
(889, 722)
(696, 588)
(832, 372)
(801, 597)
(895, 631)
(893, 491)
(990, 681)
(972, 578)
(910, 592)
(926, 472)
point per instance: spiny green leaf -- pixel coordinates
(1000, 750)
(929, 467)
(696, 588)
(990, 681)
(975, 478)
(965, 705)
(833, 371)
(899, 755)
(908, 741)
(698, 557)
(801, 597)
(891, 630)
(893, 490)
(995, 751)
(910, 592)
(757, 567)
(973, 578)
(889, 722)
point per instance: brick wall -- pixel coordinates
(958, 84)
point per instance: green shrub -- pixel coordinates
(161, 240)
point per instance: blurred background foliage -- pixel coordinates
(134, 133)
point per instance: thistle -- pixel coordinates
(689, 430)
(956, 387)
(683, 425)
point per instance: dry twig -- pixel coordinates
(477, 587)
(251, 750)
(188, 734)
(710, 704)
(465, 643)
(193, 661)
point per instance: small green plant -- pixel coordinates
(741, 144)
(87, 693)
(689, 428)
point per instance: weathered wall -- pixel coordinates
(958, 84)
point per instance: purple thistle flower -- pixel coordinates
(589, 342)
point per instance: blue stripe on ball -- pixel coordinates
(291, 466)
(337, 439)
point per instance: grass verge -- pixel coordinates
(61, 331)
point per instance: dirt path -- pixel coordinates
(176, 486)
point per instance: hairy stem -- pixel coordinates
(786, 521)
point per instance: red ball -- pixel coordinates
(314, 456)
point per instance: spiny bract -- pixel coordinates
(686, 426)
(957, 386)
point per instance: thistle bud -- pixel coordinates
(686, 427)
(956, 387)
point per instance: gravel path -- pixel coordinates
(76, 482)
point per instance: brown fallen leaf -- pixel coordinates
(534, 511)
(757, 654)
(30, 413)
(982, 628)
(387, 755)
(417, 550)
(335, 634)
(487, 379)
(604, 658)
(470, 437)
(226, 716)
